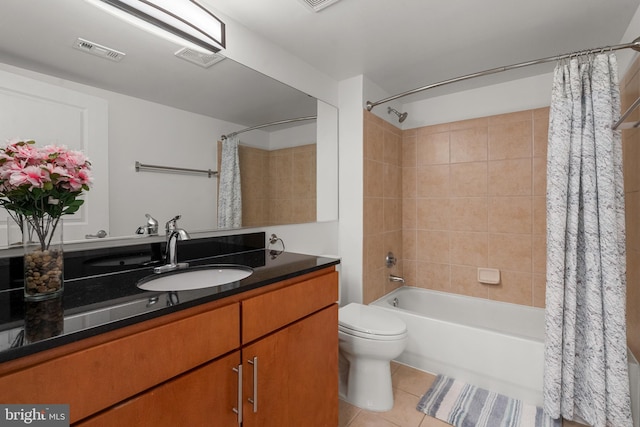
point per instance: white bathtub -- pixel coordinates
(491, 344)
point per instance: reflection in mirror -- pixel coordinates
(156, 108)
(278, 183)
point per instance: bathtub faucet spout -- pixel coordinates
(393, 278)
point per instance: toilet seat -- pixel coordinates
(369, 322)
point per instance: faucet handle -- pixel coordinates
(152, 225)
(172, 223)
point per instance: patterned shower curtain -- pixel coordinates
(586, 350)
(229, 193)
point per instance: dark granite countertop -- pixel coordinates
(104, 302)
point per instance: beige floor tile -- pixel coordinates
(433, 422)
(412, 380)
(347, 413)
(369, 419)
(404, 412)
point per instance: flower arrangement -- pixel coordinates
(39, 185)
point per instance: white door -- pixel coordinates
(50, 114)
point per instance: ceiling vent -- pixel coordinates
(201, 59)
(98, 50)
(318, 5)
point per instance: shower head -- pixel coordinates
(401, 116)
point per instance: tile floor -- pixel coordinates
(408, 387)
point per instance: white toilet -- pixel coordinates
(369, 338)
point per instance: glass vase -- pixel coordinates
(43, 261)
(43, 319)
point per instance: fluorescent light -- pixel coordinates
(184, 22)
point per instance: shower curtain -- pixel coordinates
(585, 349)
(229, 193)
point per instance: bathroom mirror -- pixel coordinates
(161, 108)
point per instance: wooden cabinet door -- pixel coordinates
(205, 396)
(297, 374)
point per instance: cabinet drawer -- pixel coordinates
(101, 376)
(270, 311)
(203, 397)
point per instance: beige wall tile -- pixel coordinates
(375, 285)
(510, 215)
(464, 280)
(433, 148)
(432, 181)
(373, 213)
(514, 287)
(511, 141)
(468, 214)
(539, 290)
(474, 176)
(409, 213)
(433, 276)
(510, 252)
(373, 178)
(392, 184)
(392, 148)
(539, 215)
(409, 182)
(469, 145)
(467, 248)
(510, 177)
(470, 123)
(539, 254)
(539, 176)
(425, 130)
(433, 246)
(433, 214)
(540, 132)
(409, 271)
(469, 179)
(508, 118)
(374, 143)
(392, 214)
(409, 150)
(409, 245)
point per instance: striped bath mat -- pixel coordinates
(464, 405)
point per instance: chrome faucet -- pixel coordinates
(393, 278)
(150, 228)
(171, 255)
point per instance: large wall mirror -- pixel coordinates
(126, 97)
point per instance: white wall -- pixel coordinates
(516, 95)
(351, 180)
(303, 134)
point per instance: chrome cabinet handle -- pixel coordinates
(238, 410)
(254, 400)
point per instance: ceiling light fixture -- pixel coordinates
(185, 22)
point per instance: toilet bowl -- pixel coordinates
(369, 338)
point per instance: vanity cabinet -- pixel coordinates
(193, 399)
(279, 342)
(291, 375)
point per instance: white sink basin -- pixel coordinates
(195, 278)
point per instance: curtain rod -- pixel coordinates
(279, 122)
(635, 45)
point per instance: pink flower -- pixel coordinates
(32, 175)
